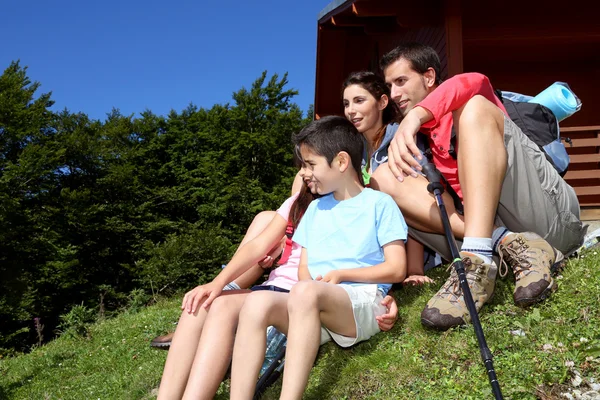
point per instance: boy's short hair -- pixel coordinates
(330, 135)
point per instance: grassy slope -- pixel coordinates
(407, 363)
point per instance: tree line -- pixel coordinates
(91, 211)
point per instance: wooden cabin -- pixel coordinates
(521, 46)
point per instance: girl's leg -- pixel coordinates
(181, 354)
(311, 304)
(260, 310)
(215, 347)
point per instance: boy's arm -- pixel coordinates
(303, 274)
(393, 269)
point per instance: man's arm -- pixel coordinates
(453, 93)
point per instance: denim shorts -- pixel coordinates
(268, 287)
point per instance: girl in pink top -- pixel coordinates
(203, 342)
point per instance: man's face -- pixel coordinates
(316, 172)
(407, 86)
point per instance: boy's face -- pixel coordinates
(316, 172)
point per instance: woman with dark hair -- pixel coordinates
(367, 104)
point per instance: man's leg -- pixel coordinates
(214, 349)
(482, 159)
(543, 210)
(311, 304)
(260, 310)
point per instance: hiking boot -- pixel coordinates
(447, 307)
(533, 260)
(162, 342)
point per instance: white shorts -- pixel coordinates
(366, 305)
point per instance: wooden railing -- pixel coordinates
(584, 169)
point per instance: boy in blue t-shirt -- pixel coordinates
(352, 242)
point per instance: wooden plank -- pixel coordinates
(454, 37)
(587, 190)
(585, 158)
(378, 8)
(590, 214)
(586, 174)
(580, 128)
(586, 142)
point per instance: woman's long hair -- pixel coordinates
(375, 85)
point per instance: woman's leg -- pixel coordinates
(260, 310)
(311, 304)
(184, 348)
(215, 347)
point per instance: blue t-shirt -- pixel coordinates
(350, 233)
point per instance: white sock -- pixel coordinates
(480, 246)
(497, 236)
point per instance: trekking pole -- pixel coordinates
(436, 188)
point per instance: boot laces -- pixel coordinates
(516, 258)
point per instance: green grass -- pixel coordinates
(409, 362)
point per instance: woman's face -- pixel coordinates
(362, 109)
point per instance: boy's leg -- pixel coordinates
(261, 309)
(311, 304)
(215, 345)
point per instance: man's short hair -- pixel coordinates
(421, 57)
(330, 135)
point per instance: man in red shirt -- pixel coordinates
(515, 203)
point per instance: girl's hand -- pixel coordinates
(192, 299)
(417, 280)
(388, 320)
(266, 262)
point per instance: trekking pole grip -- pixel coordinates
(434, 177)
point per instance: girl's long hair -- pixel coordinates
(375, 85)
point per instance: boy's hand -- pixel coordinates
(333, 277)
(192, 299)
(388, 320)
(417, 280)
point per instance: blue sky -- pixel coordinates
(159, 55)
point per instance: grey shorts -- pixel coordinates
(534, 198)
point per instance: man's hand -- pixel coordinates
(333, 277)
(403, 152)
(388, 320)
(417, 280)
(192, 299)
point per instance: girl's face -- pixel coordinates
(362, 109)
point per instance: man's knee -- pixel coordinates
(476, 112)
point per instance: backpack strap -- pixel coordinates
(287, 250)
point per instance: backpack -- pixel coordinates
(540, 125)
(537, 122)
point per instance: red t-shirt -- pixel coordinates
(450, 96)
